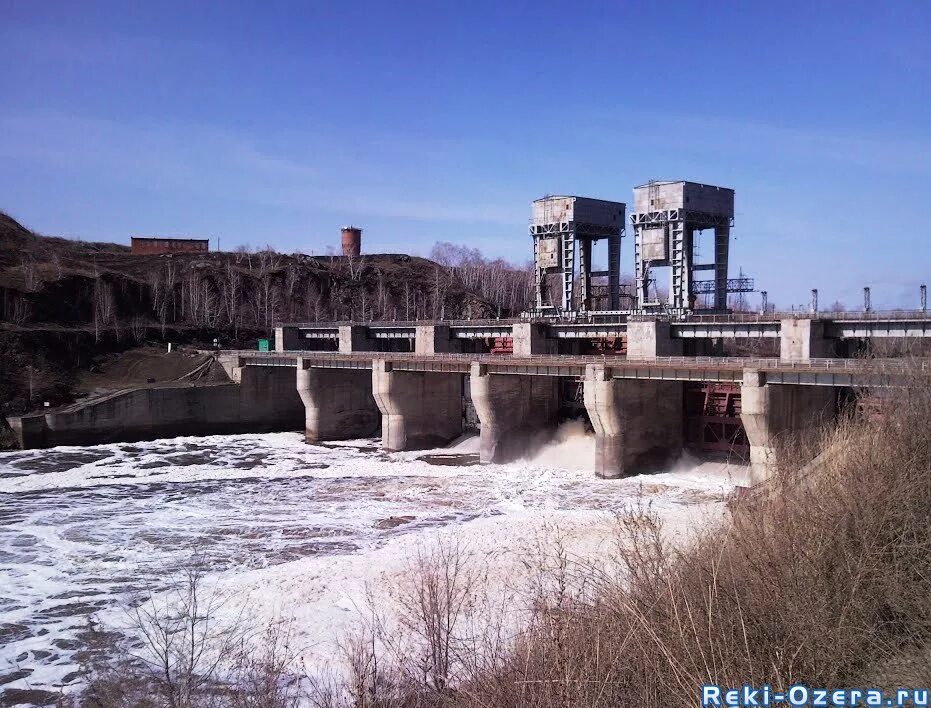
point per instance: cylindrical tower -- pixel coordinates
(352, 241)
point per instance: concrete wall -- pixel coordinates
(773, 413)
(638, 423)
(801, 339)
(650, 339)
(511, 410)
(419, 409)
(265, 401)
(338, 403)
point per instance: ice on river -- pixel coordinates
(300, 529)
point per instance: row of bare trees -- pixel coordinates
(510, 287)
(247, 290)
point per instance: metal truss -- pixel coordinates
(734, 285)
(679, 226)
(574, 259)
(696, 219)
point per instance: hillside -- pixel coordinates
(64, 303)
(58, 281)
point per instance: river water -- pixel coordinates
(302, 530)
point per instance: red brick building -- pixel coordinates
(169, 245)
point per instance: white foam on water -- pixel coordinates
(297, 529)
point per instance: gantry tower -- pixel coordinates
(563, 230)
(666, 217)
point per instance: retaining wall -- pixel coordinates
(266, 400)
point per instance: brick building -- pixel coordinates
(169, 245)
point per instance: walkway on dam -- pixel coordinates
(819, 372)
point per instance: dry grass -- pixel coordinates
(823, 581)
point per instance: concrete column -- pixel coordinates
(530, 338)
(434, 339)
(771, 413)
(338, 403)
(801, 339)
(287, 339)
(355, 338)
(419, 409)
(638, 423)
(651, 338)
(510, 410)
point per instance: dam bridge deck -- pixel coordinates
(812, 372)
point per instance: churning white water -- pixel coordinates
(300, 530)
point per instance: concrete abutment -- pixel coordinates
(419, 409)
(338, 403)
(638, 423)
(512, 410)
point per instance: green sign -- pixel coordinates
(263, 345)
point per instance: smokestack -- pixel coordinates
(352, 241)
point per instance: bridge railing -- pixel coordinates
(583, 319)
(486, 322)
(693, 362)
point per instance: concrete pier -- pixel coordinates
(287, 339)
(419, 409)
(772, 413)
(355, 338)
(530, 339)
(638, 423)
(801, 339)
(434, 339)
(511, 410)
(338, 403)
(651, 338)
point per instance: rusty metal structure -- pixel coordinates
(351, 241)
(712, 419)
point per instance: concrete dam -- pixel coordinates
(422, 384)
(640, 406)
(645, 369)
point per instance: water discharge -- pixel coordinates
(300, 529)
(571, 447)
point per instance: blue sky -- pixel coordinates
(273, 122)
